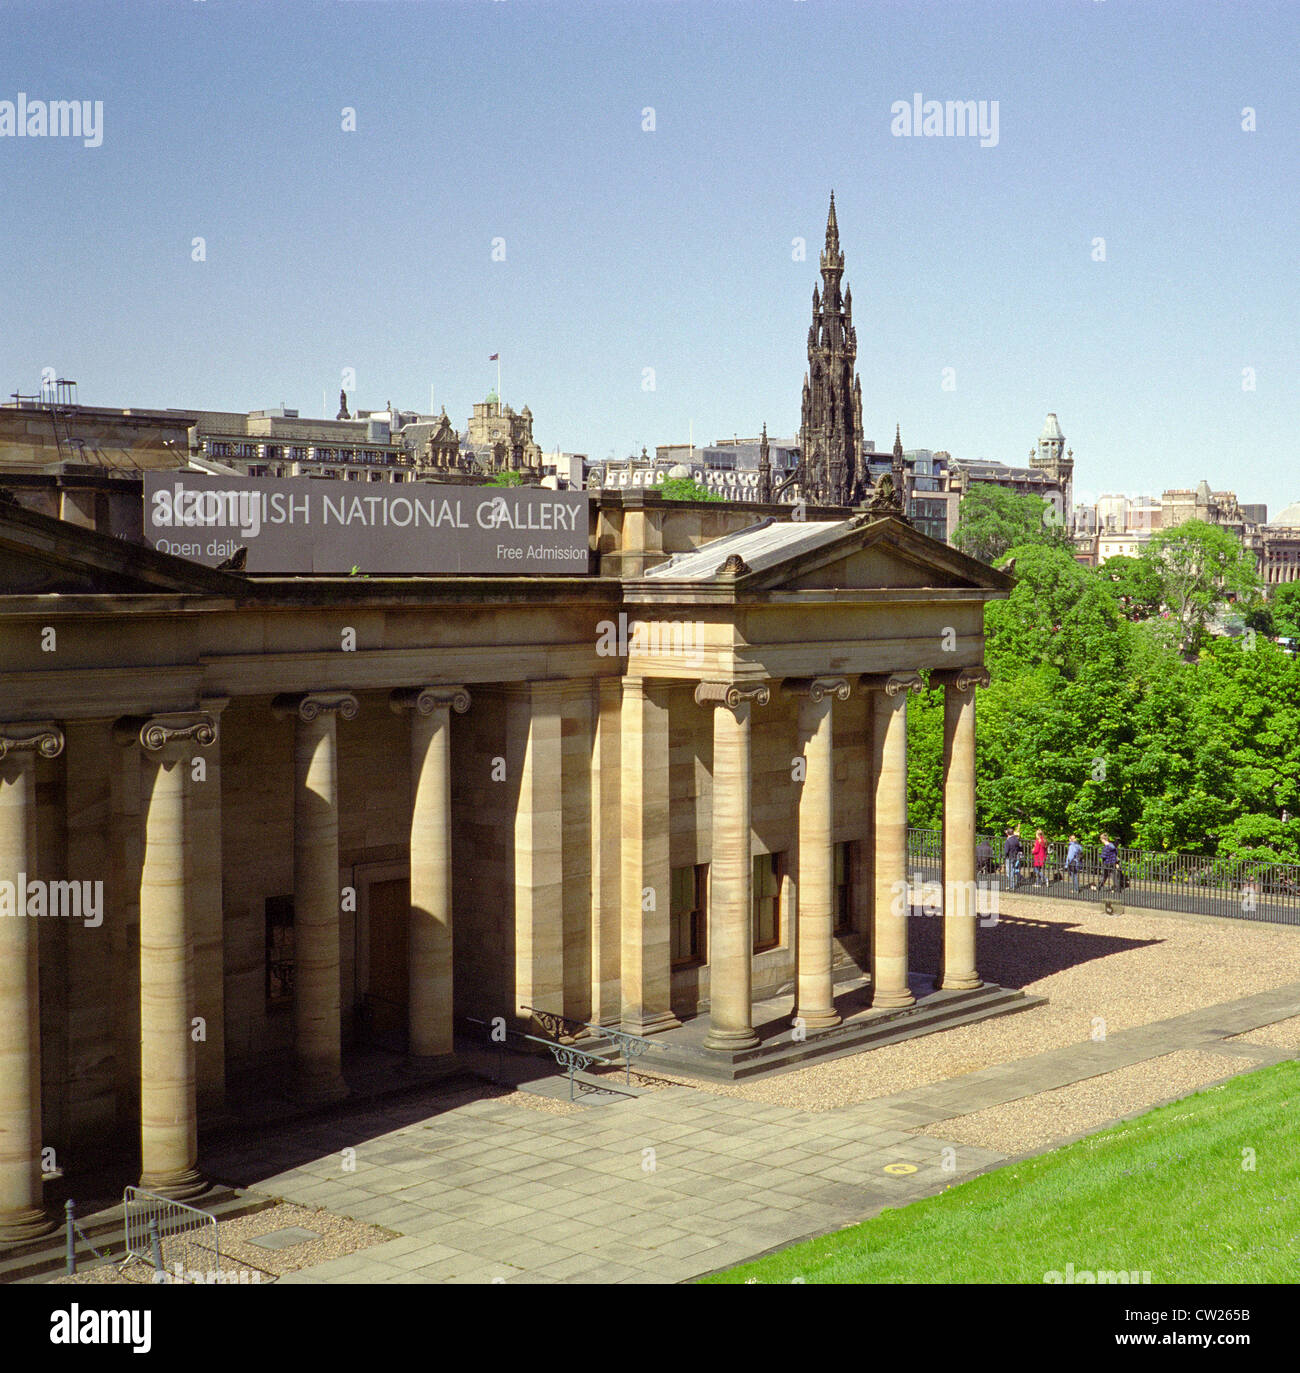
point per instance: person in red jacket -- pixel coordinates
(1040, 859)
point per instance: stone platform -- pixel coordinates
(681, 1050)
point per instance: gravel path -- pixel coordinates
(1129, 970)
(1282, 1034)
(1035, 1121)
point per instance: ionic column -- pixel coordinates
(430, 929)
(316, 1010)
(645, 894)
(22, 1211)
(168, 1104)
(959, 912)
(889, 776)
(815, 996)
(731, 873)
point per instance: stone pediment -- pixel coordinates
(40, 555)
(862, 553)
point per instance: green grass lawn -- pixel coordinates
(1165, 1193)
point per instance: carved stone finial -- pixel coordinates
(885, 498)
(734, 566)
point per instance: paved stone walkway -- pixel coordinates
(678, 1182)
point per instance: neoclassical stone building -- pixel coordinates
(644, 796)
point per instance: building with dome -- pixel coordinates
(1279, 550)
(502, 440)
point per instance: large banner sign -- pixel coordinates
(297, 525)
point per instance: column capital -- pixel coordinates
(154, 732)
(40, 737)
(307, 705)
(818, 688)
(426, 699)
(963, 678)
(731, 694)
(892, 683)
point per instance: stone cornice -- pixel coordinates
(732, 694)
(818, 688)
(40, 737)
(425, 700)
(311, 704)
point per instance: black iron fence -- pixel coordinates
(1249, 889)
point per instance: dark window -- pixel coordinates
(844, 854)
(689, 914)
(767, 901)
(279, 951)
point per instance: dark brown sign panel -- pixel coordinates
(297, 525)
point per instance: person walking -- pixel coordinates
(1040, 858)
(983, 858)
(1011, 853)
(1109, 861)
(1073, 861)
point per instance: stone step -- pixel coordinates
(940, 1012)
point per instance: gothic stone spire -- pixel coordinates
(830, 434)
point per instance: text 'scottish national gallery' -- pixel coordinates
(258, 817)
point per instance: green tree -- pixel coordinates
(506, 478)
(1136, 585)
(1201, 567)
(991, 521)
(1285, 605)
(685, 489)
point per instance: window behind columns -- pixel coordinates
(279, 951)
(844, 856)
(768, 869)
(689, 915)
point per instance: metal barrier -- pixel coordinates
(567, 1056)
(178, 1240)
(630, 1046)
(1248, 889)
(70, 1232)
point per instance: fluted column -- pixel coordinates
(168, 1101)
(430, 929)
(645, 881)
(731, 873)
(815, 992)
(960, 917)
(889, 986)
(316, 1009)
(22, 1211)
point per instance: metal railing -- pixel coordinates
(1246, 888)
(629, 1046)
(178, 1240)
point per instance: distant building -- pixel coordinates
(281, 443)
(500, 440)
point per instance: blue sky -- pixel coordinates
(625, 249)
